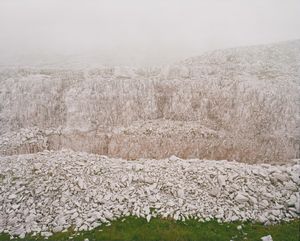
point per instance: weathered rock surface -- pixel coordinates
(236, 104)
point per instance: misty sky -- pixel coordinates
(140, 31)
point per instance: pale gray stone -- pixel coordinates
(264, 204)
(173, 158)
(46, 234)
(81, 183)
(180, 193)
(241, 198)
(267, 238)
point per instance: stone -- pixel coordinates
(264, 204)
(57, 229)
(275, 212)
(84, 227)
(240, 198)
(280, 177)
(12, 196)
(81, 183)
(180, 193)
(173, 158)
(19, 231)
(295, 178)
(262, 219)
(15, 206)
(291, 186)
(138, 167)
(292, 200)
(22, 235)
(170, 203)
(222, 180)
(252, 200)
(297, 207)
(108, 215)
(74, 216)
(46, 234)
(266, 238)
(214, 192)
(176, 215)
(146, 210)
(152, 199)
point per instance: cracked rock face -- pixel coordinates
(235, 104)
(50, 191)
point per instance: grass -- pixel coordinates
(169, 230)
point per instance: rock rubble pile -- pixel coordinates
(26, 140)
(51, 191)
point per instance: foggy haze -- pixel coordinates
(136, 32)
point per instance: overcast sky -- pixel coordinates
(141, 31)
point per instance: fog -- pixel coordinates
(138, 32)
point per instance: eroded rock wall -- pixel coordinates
(247, 97)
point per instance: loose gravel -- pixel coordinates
(48, 192)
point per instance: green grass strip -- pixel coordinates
(138, 229)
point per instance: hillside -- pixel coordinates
(63, 131)
(240, 104)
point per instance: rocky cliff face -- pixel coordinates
(238, 104)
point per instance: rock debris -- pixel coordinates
(50, 191)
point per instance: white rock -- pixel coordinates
(152, 199)
(264, 204)
(262, 219)
(12, 196)
(292, 200)
(57, 229)
(170, 203)
(214, 192)
(19, 231)
(295, 178)
(22, 235)
(280, 177)
(46, 234)
(180, 193)
(108, 215)
(146, 210)
(297, 206)
(173, 158)
(74, 216)
(15, 206)
(252, 200)
(222, 180)
(81, 183)
(241, 198)
(84, 227)
(138, 167)
(276, 212)
(267, 238)
(291, 186)
(176, 216)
